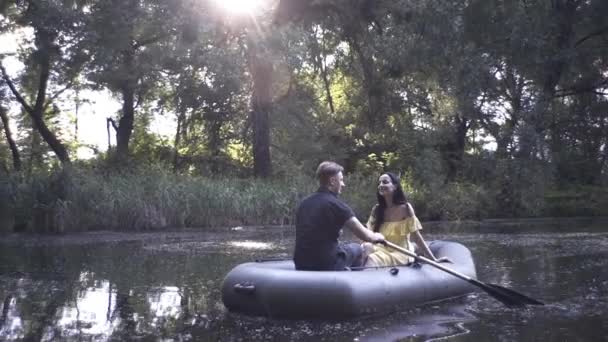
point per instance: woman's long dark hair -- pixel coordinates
(398, 198)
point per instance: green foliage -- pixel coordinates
(418, 88)
(456, 201)
(576, 201)
(520, 188)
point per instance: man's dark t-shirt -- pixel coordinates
(319, 219)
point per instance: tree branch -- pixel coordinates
(150, 40)
(595, 33)
(579, 89)
(58, 93)
(42, 86)
(14, 90)
(111, 121)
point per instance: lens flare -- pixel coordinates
(238, 6)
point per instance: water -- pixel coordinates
(166, 286)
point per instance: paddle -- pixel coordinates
(506, 296)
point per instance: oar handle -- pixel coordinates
(430, 262)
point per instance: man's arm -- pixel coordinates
(361, 232)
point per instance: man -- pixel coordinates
(319, 220)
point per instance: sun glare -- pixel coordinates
(239, 6)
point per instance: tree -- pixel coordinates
(52, 23)
(126, 41)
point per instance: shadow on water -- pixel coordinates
(110, 286)
(422, 324)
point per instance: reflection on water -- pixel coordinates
(436, 323)
(12, 326)
(252, 245)
(91, 312)
(164, 302)
(169, 288)
(94, 312)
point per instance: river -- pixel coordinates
(104, 286)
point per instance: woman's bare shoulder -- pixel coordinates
(407, 209)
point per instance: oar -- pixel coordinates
(506, 296)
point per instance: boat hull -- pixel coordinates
(275, 289)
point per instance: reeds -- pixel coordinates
(152, 197)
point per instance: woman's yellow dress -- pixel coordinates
(397, 232)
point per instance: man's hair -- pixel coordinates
(326, 170)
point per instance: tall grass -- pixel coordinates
(150, 199)
(84, 199)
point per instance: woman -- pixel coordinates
(394, 217)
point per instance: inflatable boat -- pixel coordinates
(275, 289)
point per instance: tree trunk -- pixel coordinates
(10, 141)
(127, 119)
(261, 71)
(504, 138)
(177, 141)
(604, 155)
(35, 157)
(215, 142)
(326, 83)
(603, 160)
(76, 110)
(371, 84)
(38, 116)
(324, 75)
(454, 148)
(125, 124)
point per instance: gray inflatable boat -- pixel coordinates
(275, 289)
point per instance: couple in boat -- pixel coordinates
(321, 216)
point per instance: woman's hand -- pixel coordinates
(368, 248)
(444, 259)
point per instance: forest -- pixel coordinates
(486, 108)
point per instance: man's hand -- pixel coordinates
(377, 238)
(362, 232)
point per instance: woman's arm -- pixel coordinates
(409, 210)
(426, 251)
(419, 240)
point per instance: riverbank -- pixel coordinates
(210, 235)
(515, 225)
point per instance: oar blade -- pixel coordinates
(518, 296)
(507, 296)
(507, 300)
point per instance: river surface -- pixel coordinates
(106, 286)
